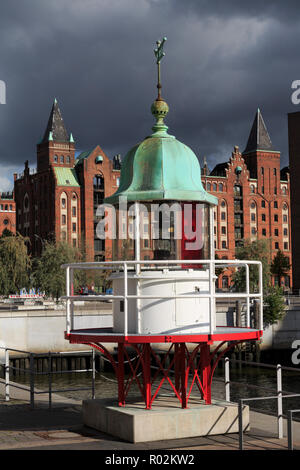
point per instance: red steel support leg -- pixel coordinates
(206, 372)
(177, 367)
(182, 362)
(147, 375)
(120, 377)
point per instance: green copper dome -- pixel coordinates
(161, 168)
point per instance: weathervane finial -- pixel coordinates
(159, 54)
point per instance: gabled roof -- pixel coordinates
(55, 127)
(259, 138)
(82, 156)
(219, 170)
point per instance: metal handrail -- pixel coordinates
(240, 415)
(50, 372)
(125, 265)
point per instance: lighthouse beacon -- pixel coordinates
(163, 281)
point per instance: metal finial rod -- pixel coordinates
(159, 54)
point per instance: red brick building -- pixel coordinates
(58, 200)
(254, 197)
(7, 212)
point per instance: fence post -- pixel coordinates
(31, 380)
(290, 430)
(241, 437)
(93, 374)
(227, 380)
(50, 380)
(6, 374)
(279, 401)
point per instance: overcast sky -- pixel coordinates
(223, 60)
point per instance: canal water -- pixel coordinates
(246, 382)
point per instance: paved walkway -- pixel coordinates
(61, 429)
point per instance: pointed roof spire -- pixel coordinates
(55, 126)
(259, 138)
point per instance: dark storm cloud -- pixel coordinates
(223, 60)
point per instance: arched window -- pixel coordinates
(55, 158)
(208, 187)
(252, 188)
(284, 190)
(26, 202)
(221, 187)
(62, 159)
(214, 186)
(98, 182)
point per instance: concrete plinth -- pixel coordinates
(166, 420)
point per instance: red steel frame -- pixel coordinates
(190, 368)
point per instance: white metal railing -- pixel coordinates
(50, 373)
(279, 396)
(136, 265)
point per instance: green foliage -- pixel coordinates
(48, 275)
(274, 304)
(280, 265)
(15, 263)
(258, 250)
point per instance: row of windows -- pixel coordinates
(74, 228)
(237, 189)
(276, 244)
(6, 207)
(263, 217)
(214, 187)
(64, 217)
(223, 245)
(64, 201)
(253, 189)
(61, 159)
(262, 171)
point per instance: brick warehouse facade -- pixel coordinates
(254, 198)
(60, 199)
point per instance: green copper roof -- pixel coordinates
(66, 176)
(161, 167)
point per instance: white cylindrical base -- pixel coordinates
(159, 315)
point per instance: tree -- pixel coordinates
(274, 306)
(48, 275)
(15, 263)
(259, 250)
(280, 266)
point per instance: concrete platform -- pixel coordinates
(166, 420)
